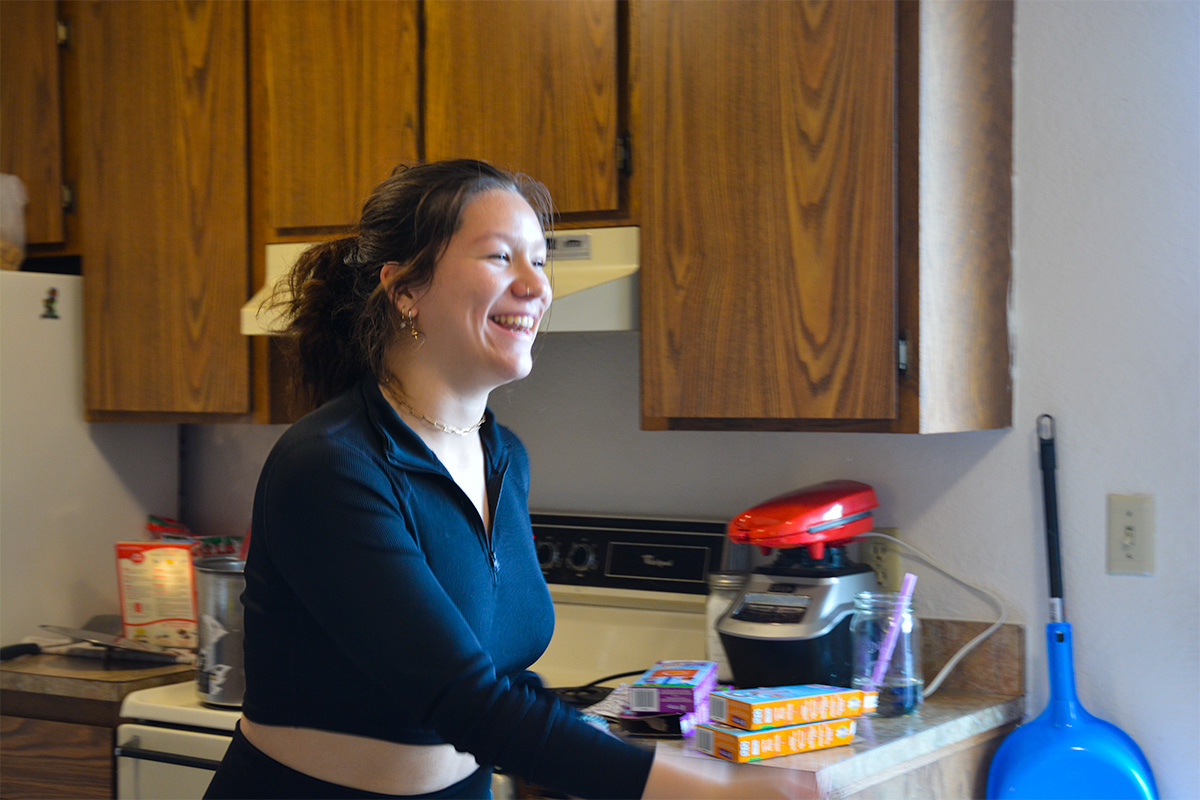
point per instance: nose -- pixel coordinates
(532, 282)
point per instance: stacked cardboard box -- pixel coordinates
(752, 724)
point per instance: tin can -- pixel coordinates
(723, 589)
(220, 679)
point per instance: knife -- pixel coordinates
(110, 641)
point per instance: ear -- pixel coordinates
(404, 299)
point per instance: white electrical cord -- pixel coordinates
(966, 648)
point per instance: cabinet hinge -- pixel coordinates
(68, 197)
(902, 353)
(625, 154)
(64, 33)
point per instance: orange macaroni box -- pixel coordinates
(676, 686)
(777, 706)
(737, 745)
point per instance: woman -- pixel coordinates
(393, 596)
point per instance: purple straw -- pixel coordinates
(889, 638)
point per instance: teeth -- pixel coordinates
(516, 321)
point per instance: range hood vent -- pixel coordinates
(593, 270)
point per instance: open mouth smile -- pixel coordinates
(517, 323)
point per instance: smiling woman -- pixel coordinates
(394, 600)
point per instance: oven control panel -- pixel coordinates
(665, 555)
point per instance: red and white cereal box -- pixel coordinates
(158, 592)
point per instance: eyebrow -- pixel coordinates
(484, 238)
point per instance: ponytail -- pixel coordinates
(330, 297)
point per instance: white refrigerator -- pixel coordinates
(69, 489)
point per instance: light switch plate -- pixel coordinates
(1131, 534)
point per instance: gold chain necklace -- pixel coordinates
(438, 424)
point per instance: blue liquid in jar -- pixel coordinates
(896, 701)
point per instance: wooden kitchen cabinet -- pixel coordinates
(825, 195)
(31, 146)
(154, 106)
(531, 86)
(334, 105)
(43, 758)
(342, 92)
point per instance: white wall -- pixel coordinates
(1107, 333)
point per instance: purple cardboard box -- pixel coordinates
(676, 686)
(664, 724)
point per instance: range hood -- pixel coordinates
(593, 271)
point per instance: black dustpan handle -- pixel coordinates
(1045, 431)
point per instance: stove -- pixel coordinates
(627, 592)
(178, 704)
(172, 744)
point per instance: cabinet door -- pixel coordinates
(335, 104)
(768, 212)
(157, 103)
(55, 759)
(530, 86)
(31, 107)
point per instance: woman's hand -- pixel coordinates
(677, 777)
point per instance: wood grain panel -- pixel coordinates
(531, 86)
(160, 125)
(768, 212)
(55, 759)
(31, 106)
(965, 206)
(338, 103)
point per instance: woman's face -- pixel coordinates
(489, 291)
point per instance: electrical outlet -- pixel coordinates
(1131, 534)
(883, 557)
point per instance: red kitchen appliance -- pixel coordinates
(791, 624)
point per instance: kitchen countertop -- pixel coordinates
(978, 702)
(87, 678)
(78, 689)
(887, 746)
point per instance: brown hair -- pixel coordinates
(342, 319)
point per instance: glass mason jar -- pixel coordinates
(901, 685)
(723, 589)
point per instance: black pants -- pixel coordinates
(247, 773)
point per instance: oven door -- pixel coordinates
(156, 762)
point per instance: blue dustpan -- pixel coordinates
(1065, 753)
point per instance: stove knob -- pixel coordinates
(581, 557)
(548, 555)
